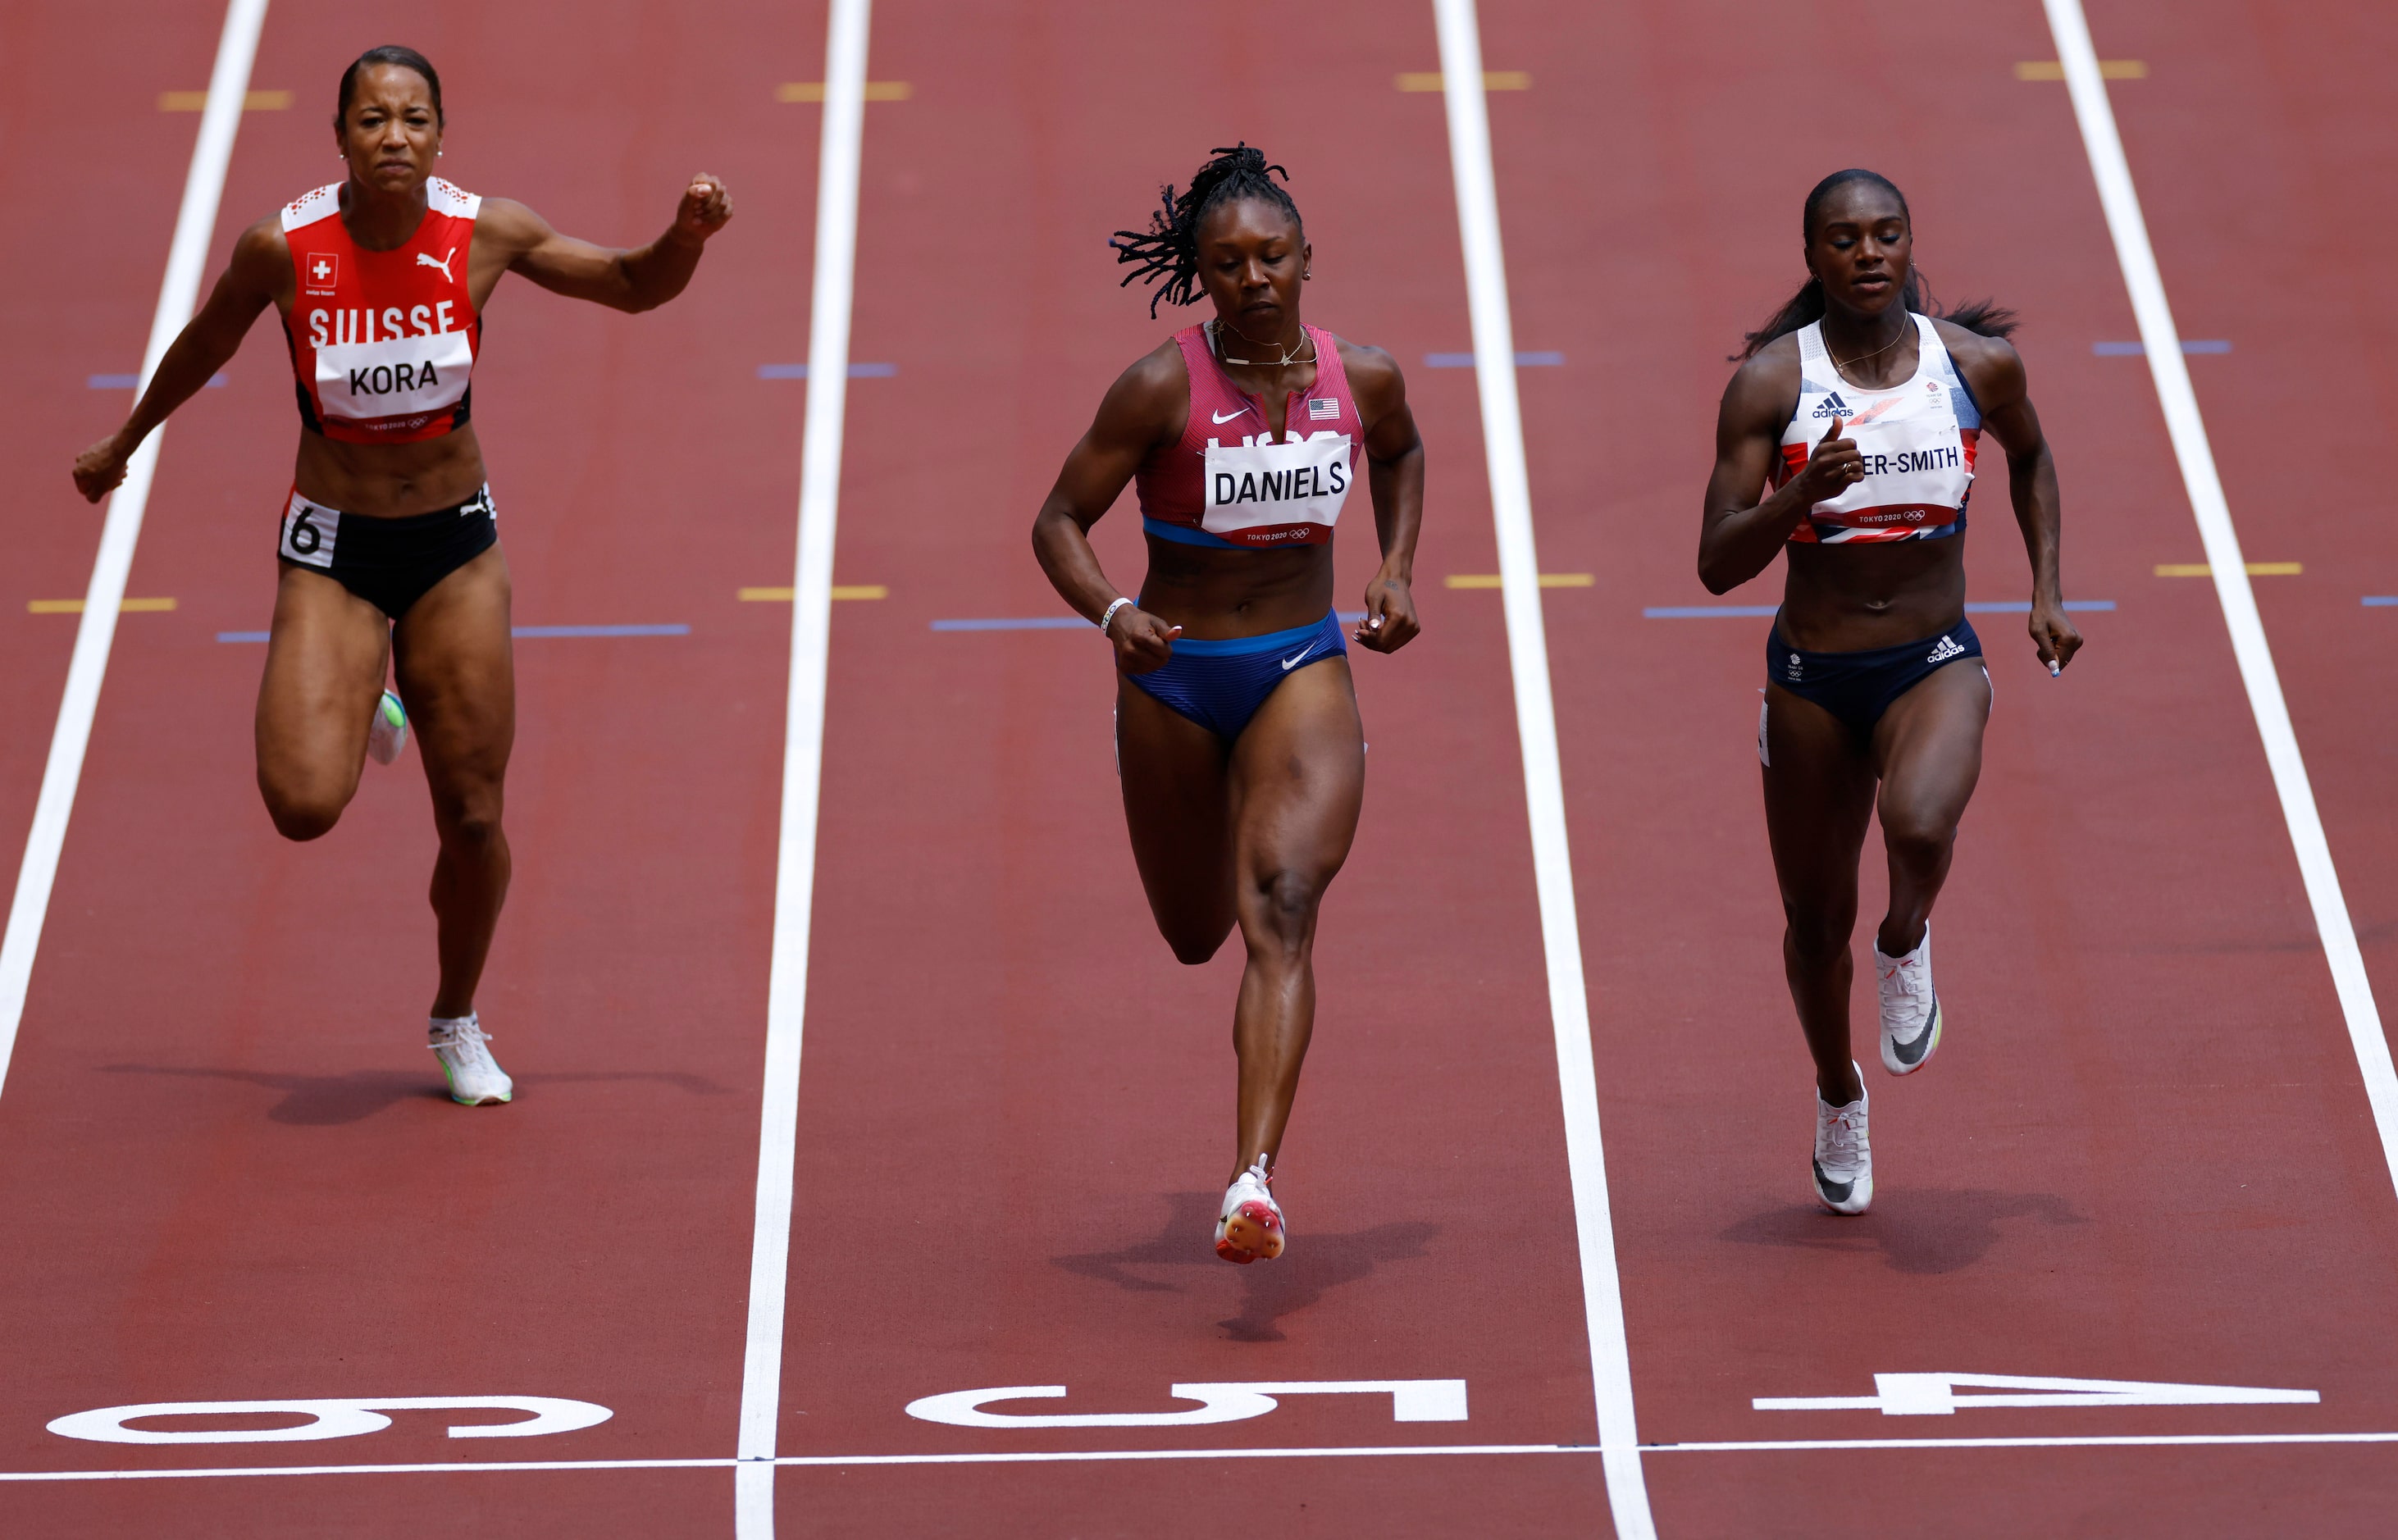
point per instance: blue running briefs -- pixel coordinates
(1858, 687)
(1220, 685)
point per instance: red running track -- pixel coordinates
(2144, 1155)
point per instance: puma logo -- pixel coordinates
(424, 261)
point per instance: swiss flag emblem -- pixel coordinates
(320, 268)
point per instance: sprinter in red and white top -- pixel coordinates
(1864, 405)
(389, 552)
(1237, 736)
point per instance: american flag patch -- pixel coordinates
(1322, 411)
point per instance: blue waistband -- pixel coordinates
(1244, 646)
(1186, 534)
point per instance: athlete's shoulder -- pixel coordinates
(1990, 365)
(1150, 400)
(1367, 365)
(262, 255)
(444, 197)
(1766, 382)
(311, 207)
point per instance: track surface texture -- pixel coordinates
(226, 1168)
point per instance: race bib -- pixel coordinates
(308, 532)
(1266, 493)
(397, 377)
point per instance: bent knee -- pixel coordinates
(1915, 839)
(1816, 939)
(1281, 911)
(302, 815)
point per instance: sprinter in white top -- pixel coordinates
(1847, 438)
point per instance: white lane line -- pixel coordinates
(2161, 341)
(1536, 726)
(787, 988)
(187, 258)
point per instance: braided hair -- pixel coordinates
(1985, 317)
(1170, 246)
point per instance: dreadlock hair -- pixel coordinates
(1985, 317)
(1170, 246)
(390, 53)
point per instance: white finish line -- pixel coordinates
(451, 1468)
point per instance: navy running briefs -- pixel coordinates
(1220, 685)
(1858, 687)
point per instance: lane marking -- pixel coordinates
(1334, 1451)
(1491, 580)
(2109, 68)
(327, 1419)
(127, 382)
(803, 724)
(1492, 80)
(74, 607)
(252, 102)
(813, 91)
(1232, 1402)
(840, 590)
(1712, 612)
(1066, 622)
(1465, 361)
(1536, 726)
(2379, 600)
(2188, 428)
(2140, 350)
(800, 371)
(1935, 1395)
(187, 254)
(2253, 569)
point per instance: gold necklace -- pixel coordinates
(1903, 334)
(1217, 328)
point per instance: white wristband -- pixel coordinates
(1108, 618)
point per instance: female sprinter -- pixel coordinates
(1237, 736)
(1862, 408)
(389, 558)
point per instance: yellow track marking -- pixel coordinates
(1492, 80)
(1490, 580)
(74, 607)
(2256, 569)
(840, 590)
(197, 101)
(2109, 68)
(812, 90)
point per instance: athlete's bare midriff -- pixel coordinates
(1215, 595)
(389, 481)
(1849, 597)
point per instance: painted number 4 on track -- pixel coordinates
(1935, 1395)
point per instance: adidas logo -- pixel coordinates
(1832, 406)
(1946, 650)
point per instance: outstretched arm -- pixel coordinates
(522, 241)
(261, 269)
(1394, 470)
(1139, 411)
(1995, 370)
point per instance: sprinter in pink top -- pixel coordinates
(1237, 736)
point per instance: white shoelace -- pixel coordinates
(468, 1035)
(1844, 1138)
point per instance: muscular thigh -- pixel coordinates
(1819, 786)
(325, 663)
(1177, 809)
(1928, 747)
(457, 675)
(1299, 778)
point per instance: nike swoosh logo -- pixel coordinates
(1834, 1192)
(1221, 418)
(1290, 663)
(1913, 1052)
